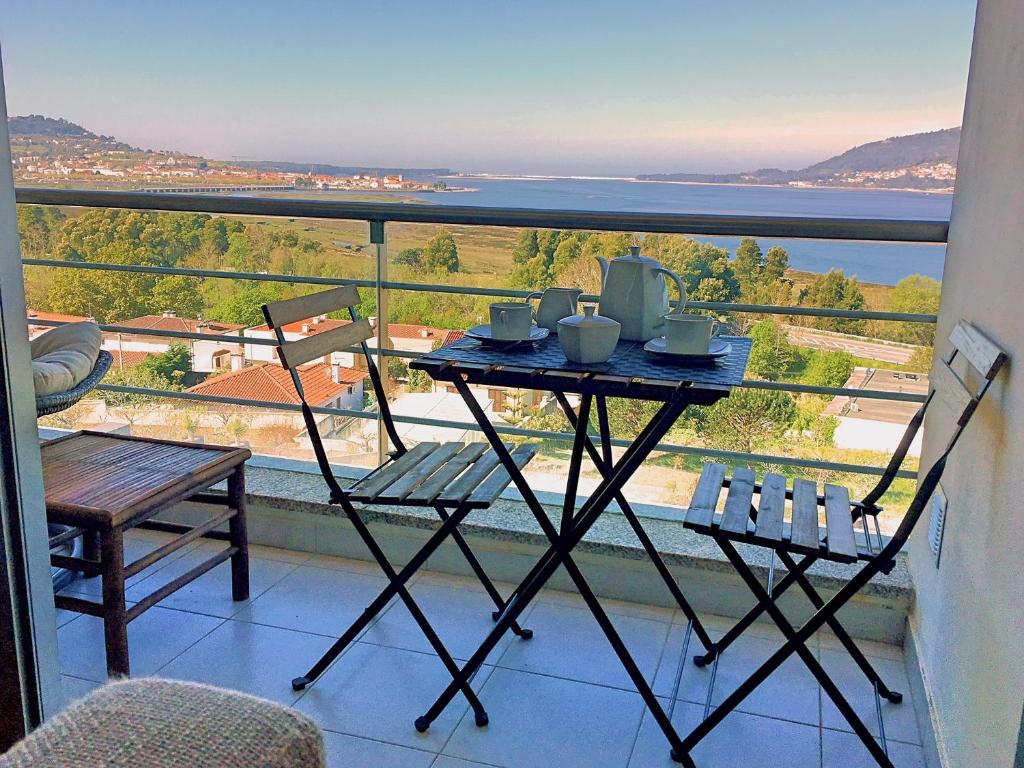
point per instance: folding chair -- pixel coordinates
(452, 478)
(762, 525)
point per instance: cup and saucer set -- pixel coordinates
(512, 322)
(693, 337)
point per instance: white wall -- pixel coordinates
(968, 621)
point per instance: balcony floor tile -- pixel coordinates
(252, 658)
(572, 646)
(741, 740)
(546, 721)
(318, 600)
(344, 751)
(378, 692)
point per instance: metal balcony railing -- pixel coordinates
(378, 215)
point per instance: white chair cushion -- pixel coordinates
(64, 356)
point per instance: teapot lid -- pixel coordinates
(634, 255)
(588, 319)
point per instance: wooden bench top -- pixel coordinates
(98, 480)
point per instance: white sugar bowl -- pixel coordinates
(588, 338)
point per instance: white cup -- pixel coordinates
(511, 320)
(689, 334)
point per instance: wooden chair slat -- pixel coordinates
(429, 490)
(771, 508)
(980, 351)
(736, 513)
(458, 491)
(951, 390)
(490, 489)
(295, 353)
(370, 488)
(302, 307)
(839, 523)
(398, 490)
(705, 496)
(804, 527)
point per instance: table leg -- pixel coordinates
(603, 462)
(115, 614)
(560, 551)
(239, 536)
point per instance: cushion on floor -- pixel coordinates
(169, 724)
(64, 356)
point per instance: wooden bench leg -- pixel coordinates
(239, 536)
(115, 616)
(90, 548)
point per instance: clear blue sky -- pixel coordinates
(534, 87)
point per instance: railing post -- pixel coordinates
(380, 248)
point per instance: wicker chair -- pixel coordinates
(59, 401)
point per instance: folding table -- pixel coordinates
(629, 373)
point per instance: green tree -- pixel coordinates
(130, 405)
(171, 365)
(177, 293)
(441, 253)
(915, 294)
(245, 306)
(748, 419)
(828, 369)
(534, 275)
(836, 291)
(410, 257)
(748, 264)
(771, 354)
(527, 246)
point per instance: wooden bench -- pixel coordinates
(102, 485)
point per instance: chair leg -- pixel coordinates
(481, 574)
(239, 536)
(737, 629)
(795, 643)
(833, 623)
(115, 614)
(396, 586)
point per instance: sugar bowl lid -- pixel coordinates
(588, 319)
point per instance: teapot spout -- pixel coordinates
(603, 263)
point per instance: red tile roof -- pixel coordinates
(326, 324)
(407, 331)
(55, 316)
(452, 336)
(129, 358)
(175, 323)
(272, 383)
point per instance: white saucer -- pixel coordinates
(482, 333)
(717, 349)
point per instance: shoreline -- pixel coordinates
(636, 180)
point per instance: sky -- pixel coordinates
(555, 87)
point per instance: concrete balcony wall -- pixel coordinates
(968, 620)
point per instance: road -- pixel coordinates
(855, 345)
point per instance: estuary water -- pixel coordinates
(885, 263)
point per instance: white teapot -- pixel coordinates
(635, 294)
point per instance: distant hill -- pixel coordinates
(38, 125)
(918, 161)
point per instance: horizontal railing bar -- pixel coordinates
(720, 306)
(864, 469)
(151, 269)
(895, 230)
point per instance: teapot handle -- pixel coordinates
(679, 284)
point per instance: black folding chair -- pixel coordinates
(844, 540)
(452, 478)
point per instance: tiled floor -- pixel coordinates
(561, 699)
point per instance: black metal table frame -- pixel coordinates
(573, 527)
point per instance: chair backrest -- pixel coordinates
(298, 352)
(983, 360)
